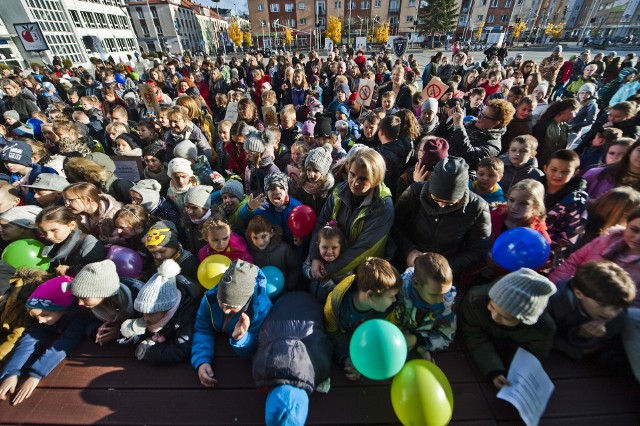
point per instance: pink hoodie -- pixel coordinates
(237, 249)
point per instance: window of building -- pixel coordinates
(491, 19)
(260, 7)
(274, 7)
(377, 3)
(321, 7)
(505, 18)
(509, 3)
(139, 12)
(365, 5)
(393, 20)
(337, 5)
(483, 2)
(412, 3)
(76, 18)
(289, 7)
(351, 6)
(301, 5)
(495, 3)
(410, 18)
(480, 18)
(291, 23)
(394, 6)
(321, 22)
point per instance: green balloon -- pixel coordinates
(26, 253)
(378, 349)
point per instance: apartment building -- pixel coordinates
(74, 29)
(9, 53)
(308, 19)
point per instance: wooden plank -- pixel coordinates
(559, 366)
(610, 419)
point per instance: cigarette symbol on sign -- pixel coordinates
(365, 92)
(433, 91)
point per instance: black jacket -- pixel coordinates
(404, 99)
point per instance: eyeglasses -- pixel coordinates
(443, 203)
(482, 115)
(68, 201)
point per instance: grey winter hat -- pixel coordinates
(523, 293)
(149, 190)
(98, 279)
(558, 49)
(320, 159)
(430, 104)
(233, 187)
(162, 234)
(12, 113)
(450, 179)
(253, 142)
(199, 195)
(187, 150)
(588, 87)
(276, 179)
(49, 182)
(237, 284)
(160, 293)
(22, 216)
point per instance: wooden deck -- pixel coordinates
(107, 385)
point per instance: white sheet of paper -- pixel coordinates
(530, 388)
(232, 112)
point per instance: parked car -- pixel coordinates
(601, 43)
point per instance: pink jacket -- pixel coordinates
(237, 249)
(596, 184)
(610, 247)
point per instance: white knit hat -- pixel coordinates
(179, 165)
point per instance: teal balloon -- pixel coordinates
(26, 253)
(275, 280)
(378, 349)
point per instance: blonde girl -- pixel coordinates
(94, 211)
(182, 128)
(163, 119)
(182, 178)
(260, 155)
(610, 209)
(70, 247)
(90, 107)
(216, 231)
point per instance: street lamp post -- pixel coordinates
(350, 9)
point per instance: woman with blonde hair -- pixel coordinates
(297, 95)
(182, 128)
(95, 211)
(404, 96)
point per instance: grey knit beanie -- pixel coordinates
(162, 234)
(99, 279)
(12, 113)
(450, 179)
(199, 195)
(233, 187)
(523, 293)
(22, 216)
(320, 159)
(149, 190)
(187, 150)
(276, 179)
(253, 142)
(588, 87)
(160, 293)
(237, 284)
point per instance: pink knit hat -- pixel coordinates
(52, 295)
(307, 128)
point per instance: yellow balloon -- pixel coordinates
(421, 395)
(211, 270)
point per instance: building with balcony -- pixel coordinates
(494, 16)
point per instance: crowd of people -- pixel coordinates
(410, 194)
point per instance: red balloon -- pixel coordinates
(302, 221)
(128, 262)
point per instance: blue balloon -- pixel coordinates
(120, 78)
(35, 123)
(521, 248)
(275, 280)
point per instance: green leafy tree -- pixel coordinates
(437, 17)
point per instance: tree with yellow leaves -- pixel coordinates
(247, 38)
(549, 30)
(288, 37)
(521, 26)
(557, 30)
(479, 31)
(382, 33)
(334, 29)
(235, 34)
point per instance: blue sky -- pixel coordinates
(227, 4)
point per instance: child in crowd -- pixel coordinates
(278, 204)
(589, 311)
(182, 178)
(219, 110)
(566, 202)
(316, 181)
(164, 333)
(489, 173)
(224, 139)
(235, 149)
(293, 170)
(475, 104)
(98, 288)
(9, 196)
(14, 318)
(216, 231)
(11, 120)
(267, 249)
(342, 114)
(154, 156)
(149, 133)
(281, 154)
(60, 328)
(520, 162)
(288, 127)
(342, 128)
(131, 224)
(47, 189)
(90, 107)
(94, 210)
(182, 128)
(19, 223)
(196, 211)
(70, 247)
(428, 118)
(163, 119)
(237, 306)
(369, 294)
(602, 141)
(426, 305)
(259, 162)
(330, 242)
(112, 131)
(617, 150)
(522, 122)
(199, 164)
(125, 144)
(308, 130)
(512, 312)
(162, 242)
(388, 102)
(17, 158)
(146, 193)
(233, 198)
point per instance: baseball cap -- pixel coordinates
(49, 181)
